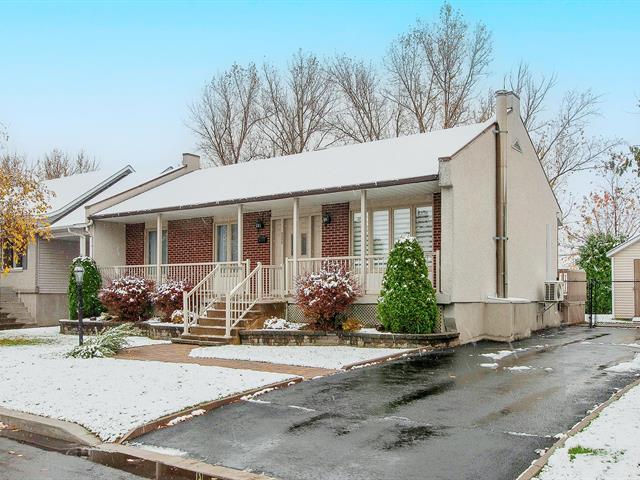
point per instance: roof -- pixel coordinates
(623, 245)
(412, 157)
(68, 193)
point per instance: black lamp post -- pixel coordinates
(78, 272)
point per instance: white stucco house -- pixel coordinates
(475, 197)
(625, 278)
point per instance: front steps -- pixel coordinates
(211, 328)
(13, 313)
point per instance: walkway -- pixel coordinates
(179, 353)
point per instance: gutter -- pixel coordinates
(280, 196)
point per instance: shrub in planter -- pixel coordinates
(168, 297)
(351, 325)
(128, 298)
(407, 302)
(92, 283)
(325, 294)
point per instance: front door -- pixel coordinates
(636, 285)
(309, 238)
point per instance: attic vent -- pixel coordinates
(516, 146)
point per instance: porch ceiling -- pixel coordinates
(284, 204)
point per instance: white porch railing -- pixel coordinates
(211, 289)
(370, 277)
(193, 272)
(244, 296)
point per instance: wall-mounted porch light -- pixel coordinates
(259, 224)
(326, 219)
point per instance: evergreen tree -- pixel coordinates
(92, 283)
(407, 302)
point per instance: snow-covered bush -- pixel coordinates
(168, 297)
(325, 294)
(407, 302)
(106, 343)
(91, 284)
(128, 298)
(281, 324)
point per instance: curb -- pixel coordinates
(537, 465)
(49, 429)
(207, 406)
(161, 466)
(395, 356)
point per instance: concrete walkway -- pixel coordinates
(179, 353)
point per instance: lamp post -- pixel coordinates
(78, 272)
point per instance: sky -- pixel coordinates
(116, 78)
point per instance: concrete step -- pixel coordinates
(13, 325)
(219, 322)
(212, 331)
(202, 340)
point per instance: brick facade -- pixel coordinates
(335, 235)
(251, 249)
(134, 251)
(191, 240)
(436, 221)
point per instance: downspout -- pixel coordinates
(501, 195)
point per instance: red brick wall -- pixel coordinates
(134, 250)
(436, 221)
(191, 240)
(254, 251)
(335, 235)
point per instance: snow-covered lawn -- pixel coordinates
(608, 447)
(322, 357)
(108, 396)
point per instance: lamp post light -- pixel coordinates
(78, 272)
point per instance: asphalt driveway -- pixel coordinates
(435, 417)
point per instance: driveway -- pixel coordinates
(436, 416)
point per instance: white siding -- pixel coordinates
(54, 258)
(622, 265)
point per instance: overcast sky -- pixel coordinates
(116, 78)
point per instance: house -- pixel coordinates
(475, 197)
(625, 278)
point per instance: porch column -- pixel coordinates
(240, 250)
(296, 221)
(83, 246)
(158, 248)
(363, 238)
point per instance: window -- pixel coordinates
(152, 245)
(11, 261)
(386, 226)
(227, 242)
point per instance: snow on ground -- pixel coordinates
(108, 396)
(609, 444)
(608, 318)
(626, 367)
(322, 357)
(502, 353)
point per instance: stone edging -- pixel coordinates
(393, 356)
(209, 405)
(537, 465)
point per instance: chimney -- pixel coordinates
(191, 161)
(507, 104)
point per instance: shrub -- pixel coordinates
(92, 283)
(128, 298)
(323, 295)
(168, 297)
(407, 302)
(106, 343)
(351, 325)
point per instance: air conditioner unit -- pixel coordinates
(553, 291)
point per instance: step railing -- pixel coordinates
(273, 287)
(211, 289)
(243, 297)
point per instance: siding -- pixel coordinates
(622, 265)
(54, 258)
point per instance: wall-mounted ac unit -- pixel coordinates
(553, 291)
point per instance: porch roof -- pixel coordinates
(408, 159)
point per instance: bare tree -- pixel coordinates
(58, 163)
(411, 84)
(226, 117)
(364, 114)
(533, 94)
(297, 106)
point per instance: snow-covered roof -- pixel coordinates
(624, 245)
(351, 166)
(68, 193)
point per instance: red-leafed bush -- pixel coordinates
(168, 297)
(325, 294)
(128, 298)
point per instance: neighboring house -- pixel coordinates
(625, 278)
(475, 197)
(35, 289)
